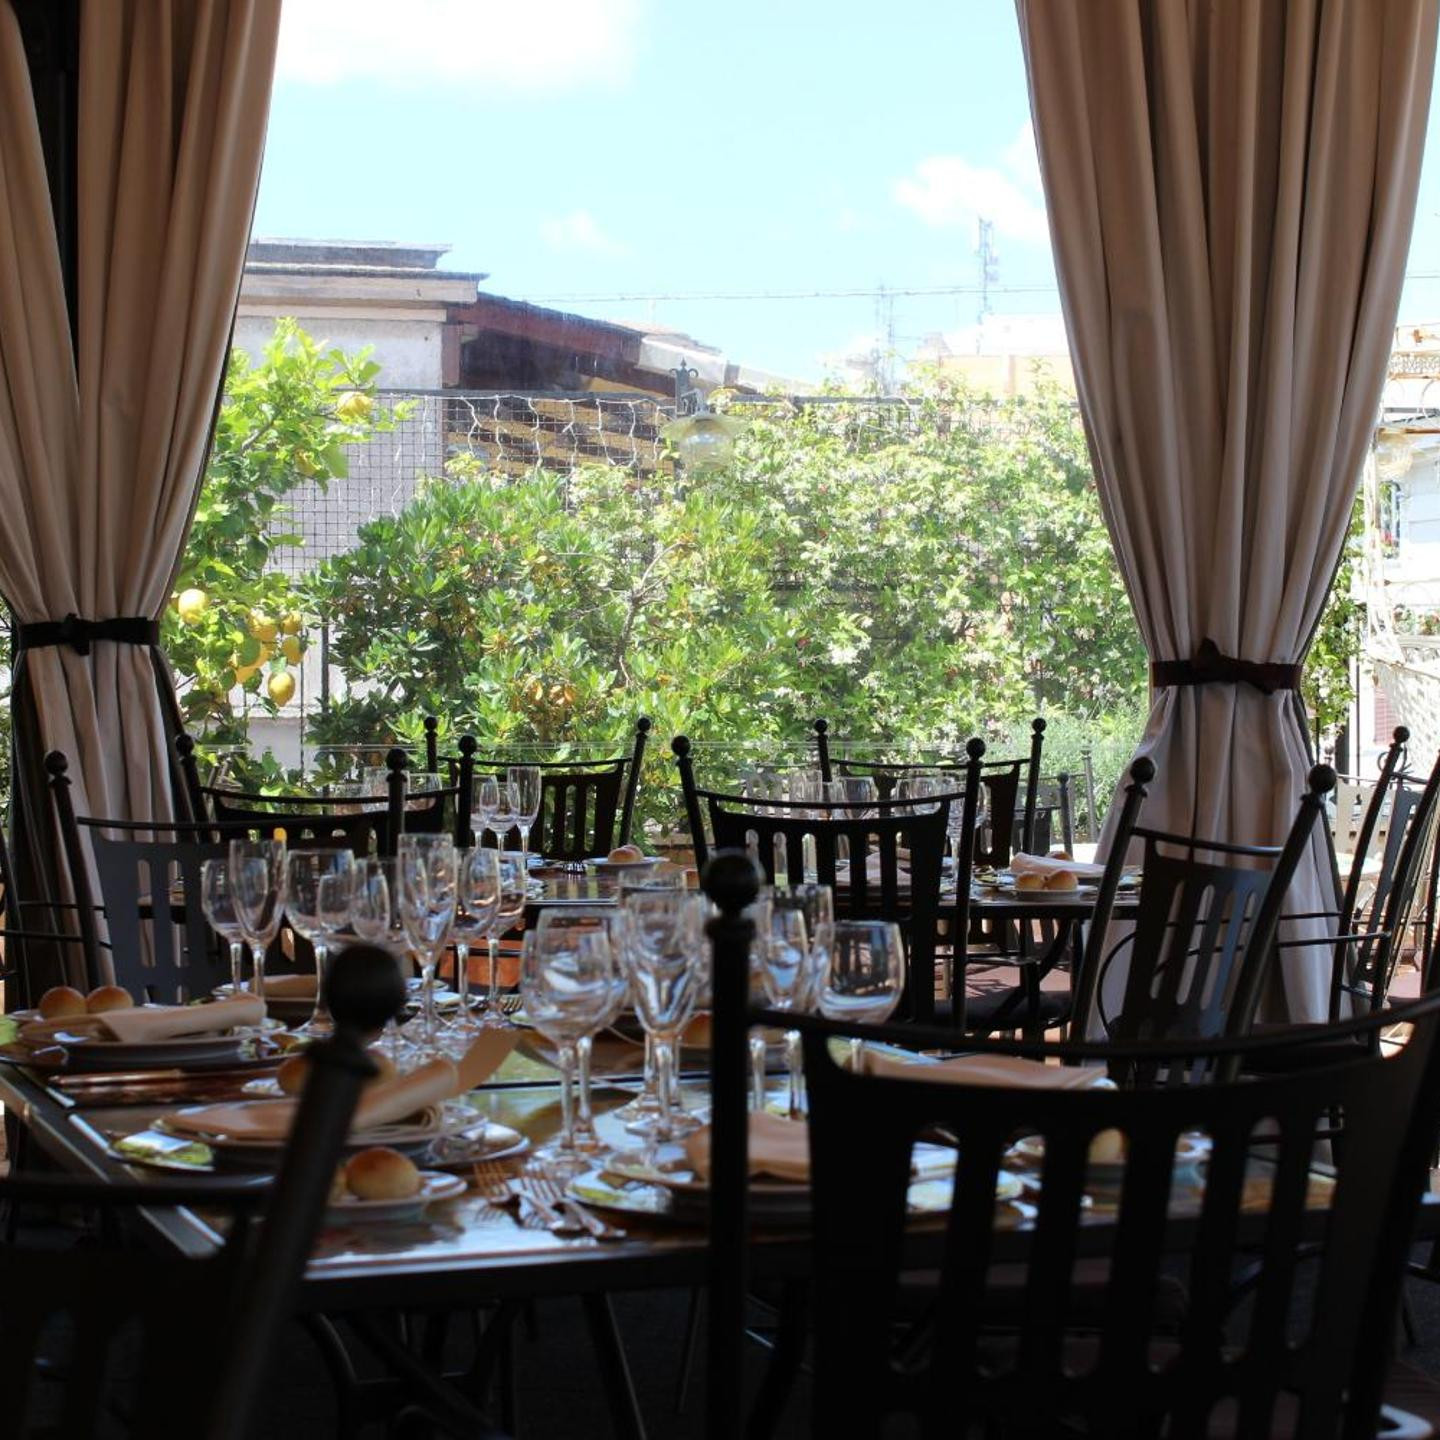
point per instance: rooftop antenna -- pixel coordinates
(989, 267)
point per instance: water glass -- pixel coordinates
(484, 806)
(477, 903)
(566, 979)
(217, 900)
(257, 883)
(318, 886)
(865, 978)
(426, 870)
(514, 892)
(523, 782)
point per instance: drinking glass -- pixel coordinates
(426, 870)
(375, 918)
(318, 886)
(477, 902)
(502, 813)
(217, 900)
(514, 891)
(865, 978)
(667, 963)
(524, 785)
(486, 802)
(257, 882)
(566, 976)
(784, 957)
(632, 880)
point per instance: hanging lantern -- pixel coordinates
(1394, 452)
(704, 440)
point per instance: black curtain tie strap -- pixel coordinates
(1210, 667)
(80, 634)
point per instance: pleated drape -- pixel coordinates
(1231, 186)
(102, 442)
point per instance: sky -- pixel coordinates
(628, 158)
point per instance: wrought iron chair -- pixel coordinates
(206, 1329)
(1203, 938)
(583, 805)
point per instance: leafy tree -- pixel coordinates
(235, 620)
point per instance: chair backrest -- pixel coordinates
(587, 808)
(1315, 1356)
(1197, 956)
(193, 1338)
(867, 840)
(1360, 814)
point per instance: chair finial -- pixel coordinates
(56, 764)
(363, 988)
(821, 726)
(731, 880)
(644, 724)
(1402, 734)
(1321, 780)
(1038, 724)
(680, 745)
(974, 747)
(468, 744)
(395, 759)
(1142, 771)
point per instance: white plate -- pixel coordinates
(604, 862)
(433, 1186)
(1190, 1150)
(92, 1052)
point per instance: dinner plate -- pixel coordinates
(434, 1185)
(1190, 1151)
(1047, 897)
(604, 862)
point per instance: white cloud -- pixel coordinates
(486, 44)
(950, 192)
(579, 231)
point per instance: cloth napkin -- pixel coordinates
(1013, 1071)
(382, 1104)
(1047, 865)
(146, 1023)
(290, 987)
(779, 1149)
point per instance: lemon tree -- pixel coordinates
(236, 626)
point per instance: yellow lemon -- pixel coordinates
(192, 604)
(353, 405)
(281, 686)
(291, 649)
(262, 627)
(244, 672)
(290, 624)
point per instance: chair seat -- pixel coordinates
(1007, 1009)
(1305, 1055)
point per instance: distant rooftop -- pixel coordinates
(350, 257)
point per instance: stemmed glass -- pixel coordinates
(318, 886)
(257, 883)
(426, 870)
(566, 976)
(667, 966)
(865, 978)
(784, 955)
(794, 967)
(514, 891)
(501, 810)
(523, 782)
(217, 900)
(375, 918)
(477, 901)
(486, 802)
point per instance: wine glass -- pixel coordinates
(523, 782)
(217, 900)
(486, 802)
(257, 882)
(514, 891)
(502, 813)
(375, 918)
(425, 867)
(865, 978)
(566, 976)
(666, 962)
(477, 902)
(784, 958)
(318, 886)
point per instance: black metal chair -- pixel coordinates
(1311, 1359)
(584, 806)
(1200, 948)
(875, 885)
(196, 1336)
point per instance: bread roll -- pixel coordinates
(626, 855)
(60, 1002)
(381, 1174)
(1108, 1148)
(108, 997)
(1029, 881)
(292, 1074)
(1063, 880)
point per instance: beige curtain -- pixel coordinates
(102, 443)
(1231, 185)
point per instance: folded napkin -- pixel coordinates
(290, 987)
(382, 1103)
(1013, 1071)
(146, 1023)
(779, 1149)
(1048, 865)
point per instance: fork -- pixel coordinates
(549, 1190)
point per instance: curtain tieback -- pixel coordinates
(1210, 667)
(80, 634)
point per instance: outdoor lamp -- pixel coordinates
(702, 439)
(1394, 452)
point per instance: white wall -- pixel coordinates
(407, 350)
